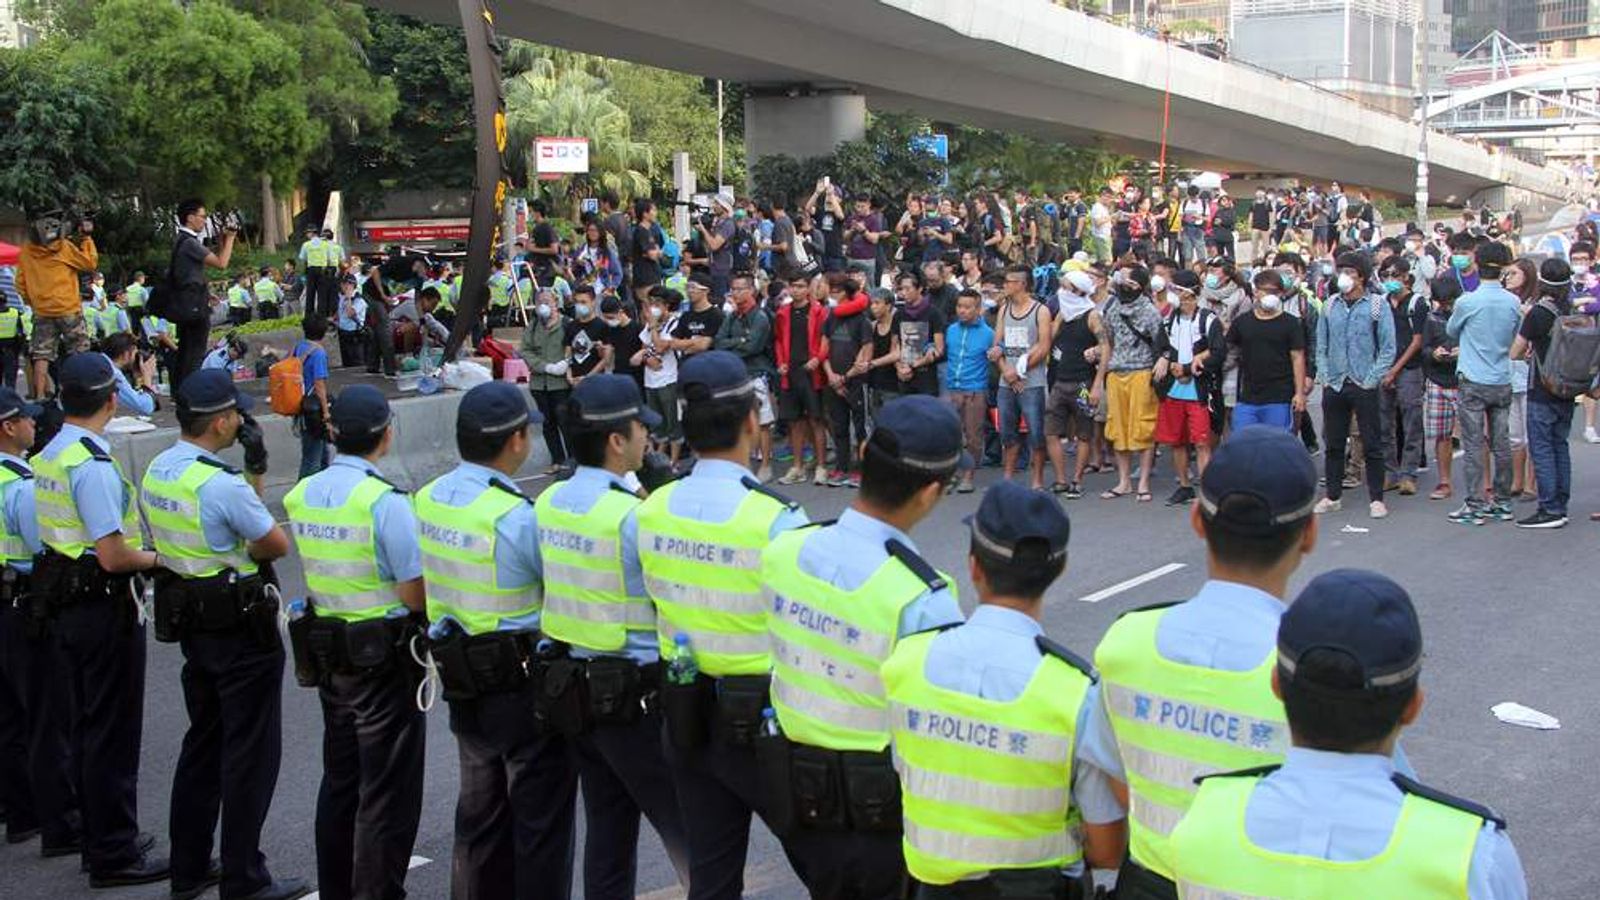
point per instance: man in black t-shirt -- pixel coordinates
(699, 323)
(1272, 359)
(646, 257)
(847, 349)
(1401, 387)
(542, 255)
(625, 338)
(1549, 416)
(1260, 225)
(920, 329)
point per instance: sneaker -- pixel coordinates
(837, 478)
(1501, 511)
(1408, 487)
(764, 474)
(1542, 519)
(821, 478)
(782, 453)
(966, 486)
(1327, 505)
(1377, 510)
(1074, 491)
(1466, 514)
(1590, 436)
(854, 481)
(1184, 494)
(793, 476)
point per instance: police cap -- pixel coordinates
(1363, 615)
(12, 405)
(211, 391)
(1260, 478)
(87, 372)
(920, 432)
(360, 410)
(1011, 516)
(601, 400)
(495, 407)
(714, 375)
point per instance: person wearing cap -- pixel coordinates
(597, 609)
(719, 240)
(357, 537)
(351, 322)
(1184, 687)
(988, 720)
(500, 286)
(1336, 819)
(239, 300)
(1485, 321)
(268, 295)
(484, 580)
(842, 595)
(1068, 414)
(227, 355)
(19, 541)
(1127, 355)
(1354, 349)
(212, 536)
(317, 259)
(88, 518)
(700, 541)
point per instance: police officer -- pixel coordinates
(700, 542)
(1185, 687)
(19, 541)
(1349, 663)
(11, 342)
(213, 535)
(268, 295)
(988, 722)
(87, 515)
(321, 267)
(328, 303)
(240, 297)
(500, 285)
(595, 604)
(842, 597)
(480, 562)
(138, 295)
(357, 538)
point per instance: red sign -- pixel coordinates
(383, 232)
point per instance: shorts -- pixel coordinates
(1181, 423)
(58, 334)
(764, 414)
(1230, 389)
(1439, 406)
(1276, 415)
(1131, 406)
(1063, 417)
(1517, 422)
(799, 400)
(664, 400)
(1028, 406)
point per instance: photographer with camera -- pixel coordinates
(190, 306)
(59, 251)
(719, 234)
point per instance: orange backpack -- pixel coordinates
(286, 385)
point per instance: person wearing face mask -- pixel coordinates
(1549, 414)
(1401, 388)
(624, 336)
(1260, 224)
(1192, 338)
(1463, 245)
(1068, 414)
(1354, 349)
(1442, 390)
(1485, 321)
(657, 360)
(1129, 347)
(1271, 350)
(1222, 293)
(544, 349)
(1424, 265)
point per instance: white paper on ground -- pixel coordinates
(129, 425)
(1354, 529)
(1517, 714)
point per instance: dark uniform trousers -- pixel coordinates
(848, 865)
(624, 775)
(233, 688)
(373, 744)
(517, 802)
(16, 788)
(99, 654)
(52, 769)
(10, 352)
(719, 788)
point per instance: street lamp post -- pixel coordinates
(1422, 124)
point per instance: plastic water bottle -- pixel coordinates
(297, 609)
(769, 722)
(682, 669)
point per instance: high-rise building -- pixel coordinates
(1433, 44)
(1365, 49)
(13, 31)
(1523, 21)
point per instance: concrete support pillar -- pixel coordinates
(801, 127)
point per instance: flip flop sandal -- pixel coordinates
(1144, 497)
(1114, 494)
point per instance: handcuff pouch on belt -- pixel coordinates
(60, 581)
(727, 709)
(222, 602)
(471, 666)
(827, 790)
(578, 694)
(324, 646)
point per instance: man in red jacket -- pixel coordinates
(797, 346)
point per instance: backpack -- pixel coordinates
(1046, 281)
(286, 386)
(1571, 362)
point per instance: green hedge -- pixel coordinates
(259, 326)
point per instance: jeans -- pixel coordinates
(1194, 244)
(313, 453)
(1485, 404)
(1277, 415)
(552, 405)
(1029, 406)
(1402, 453)
(1337, 406)
(1549, 425)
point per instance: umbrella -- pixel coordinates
(9, 254)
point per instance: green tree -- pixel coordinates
(883, 164)
(60, 133)
(1001, 159)
(58, 18)
(671, 112)
(212, 98)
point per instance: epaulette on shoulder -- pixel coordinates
(918, 566)
(1151, 607)
(503, 486)
(937, 628)
(16, 468)
(1051, 648)
(1256, 772)
(751, 484)
(218, 464)
(392, 486)
(623, 490)
(1418, 789)
(94, 449)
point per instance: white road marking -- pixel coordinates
(414, 863)
(1133, 582)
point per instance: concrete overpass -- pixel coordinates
(1018, 65)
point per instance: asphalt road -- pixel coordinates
(1507, 615)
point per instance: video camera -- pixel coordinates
(704, 215)
(54, 224)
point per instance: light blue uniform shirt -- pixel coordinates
(16, 504)
(516, 546)
(848, 552)
(1227, 626)
(358, 313)
(230, 511)
(218, 359)
(1485, 321)
(139, 402)
(393, 522)
(98, 494)
(578, 495)
(994, 656)
(1343, 807)
(713, 491)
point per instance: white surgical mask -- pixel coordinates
(1157, 284)
(1580, 269)
(653, 313)
(1346, 283)
(543, 310)
(727, 307)
(1270, 302)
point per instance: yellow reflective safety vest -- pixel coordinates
(238, 297)
(499, 290)
(705, 578)
(458, 544)
(586, 603)
(10, 323)
(1174, 723)
(12, 547)
(985, 785)
(110, 319)
(447, 301)
(339, 550)
(317, 252)
(827, 643)
(27, 323)
(60, 526)
(267, 291)
(1429, 853)
(173, 509)
(137, 294)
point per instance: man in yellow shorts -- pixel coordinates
(1129, 352)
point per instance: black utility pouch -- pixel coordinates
(614, 691)
(455, 672)
(259, 612)
(774, 761)
(740, 701)
(171, 608)
(308, 671)
(818, 788)
(687, 708)
(563, 696)
(369, 644)
(495, 662)
(873, 790)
